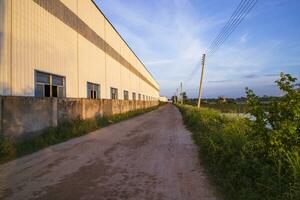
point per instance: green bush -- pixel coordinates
(252, 159)
(7, 149)
(293, 160)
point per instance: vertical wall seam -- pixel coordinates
(77, 54)
(120, 82)
(11, 46)
(1, 115)
(105, 66)
(83, 109)
(54, 121)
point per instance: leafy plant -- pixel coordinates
(7, 148)
(257, 158)
(278, 124)
(293, 160)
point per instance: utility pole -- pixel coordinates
(176, 95)
(181, 94)
(201, 80)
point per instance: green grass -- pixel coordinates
(66, 130)
(234, 161)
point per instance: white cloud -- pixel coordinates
(244, 38)
(171, 32)
(159, 62)
(170, 36)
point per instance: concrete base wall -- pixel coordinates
(23, 116)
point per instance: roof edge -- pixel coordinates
(124, 41)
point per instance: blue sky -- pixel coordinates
(170, 35)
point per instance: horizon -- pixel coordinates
(170, 43)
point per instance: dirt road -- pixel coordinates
(148, 157)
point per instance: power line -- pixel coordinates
(235, 24)
(227, 24)
(195, 69)
(242, 10)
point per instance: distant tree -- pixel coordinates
(222, 99)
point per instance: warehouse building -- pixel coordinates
(67, 48)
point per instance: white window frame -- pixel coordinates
(127, 95)
(94, 85)
(36, 72)
(111, 93)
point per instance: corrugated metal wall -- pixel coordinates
(45, 38)
(5, 47)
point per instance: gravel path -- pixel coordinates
(147, 157)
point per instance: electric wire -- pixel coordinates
(230, 31)
(228, 24)
(242, 10)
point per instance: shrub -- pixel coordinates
(7, 149)
(252, 159)
(293, 160)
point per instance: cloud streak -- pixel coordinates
(170, 36)
(159, 62)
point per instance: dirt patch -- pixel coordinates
(151, 157)
(101, 181)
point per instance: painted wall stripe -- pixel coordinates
(64, 14)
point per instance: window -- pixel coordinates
(114, 93)
(143, 97)
(133, 96)
(49, 85)
(93, 90)
(126, 95)
(139, 97)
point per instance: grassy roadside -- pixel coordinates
(10, 150)
(236, 162)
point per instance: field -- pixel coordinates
(229, 106)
